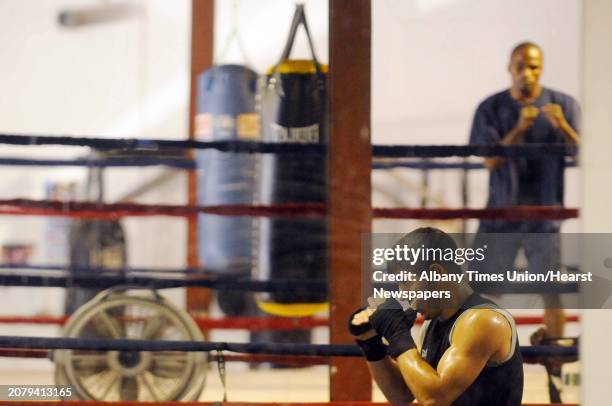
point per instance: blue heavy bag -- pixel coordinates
(226, 111)
(293, 110)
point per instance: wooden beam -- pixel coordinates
(349, 186)
(202, 20)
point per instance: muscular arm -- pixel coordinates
(570, 134)
(389, 379)
(479, 337)
(555, 115)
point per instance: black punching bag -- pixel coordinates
(293, 110)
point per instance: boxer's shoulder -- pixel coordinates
(481, 328)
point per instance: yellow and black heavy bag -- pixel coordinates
(293, 110)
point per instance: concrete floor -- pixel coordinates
(289, 385)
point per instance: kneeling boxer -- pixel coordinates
(468, 352)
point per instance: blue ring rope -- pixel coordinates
(337, 350)
(234, 272)
(95, 280)
(125, 270)
(437, 165)
(422, 151)
(178, 163)
(188, 164)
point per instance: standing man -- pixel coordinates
(527, 113)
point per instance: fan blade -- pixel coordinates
(152, 327)
(89, 364)
(108, 325)
(128, 388)
(149, 387)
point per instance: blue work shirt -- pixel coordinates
(522, 181)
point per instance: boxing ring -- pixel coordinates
(199, 351)
(159, 279)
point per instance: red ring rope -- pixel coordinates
(23, 353)
(302, 210)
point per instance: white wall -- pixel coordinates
(263, 26)
(121, 79)
(435, 60)
(595, 351)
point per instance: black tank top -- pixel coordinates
(500, 384)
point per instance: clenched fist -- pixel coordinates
(527, 117)
(554, 114)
